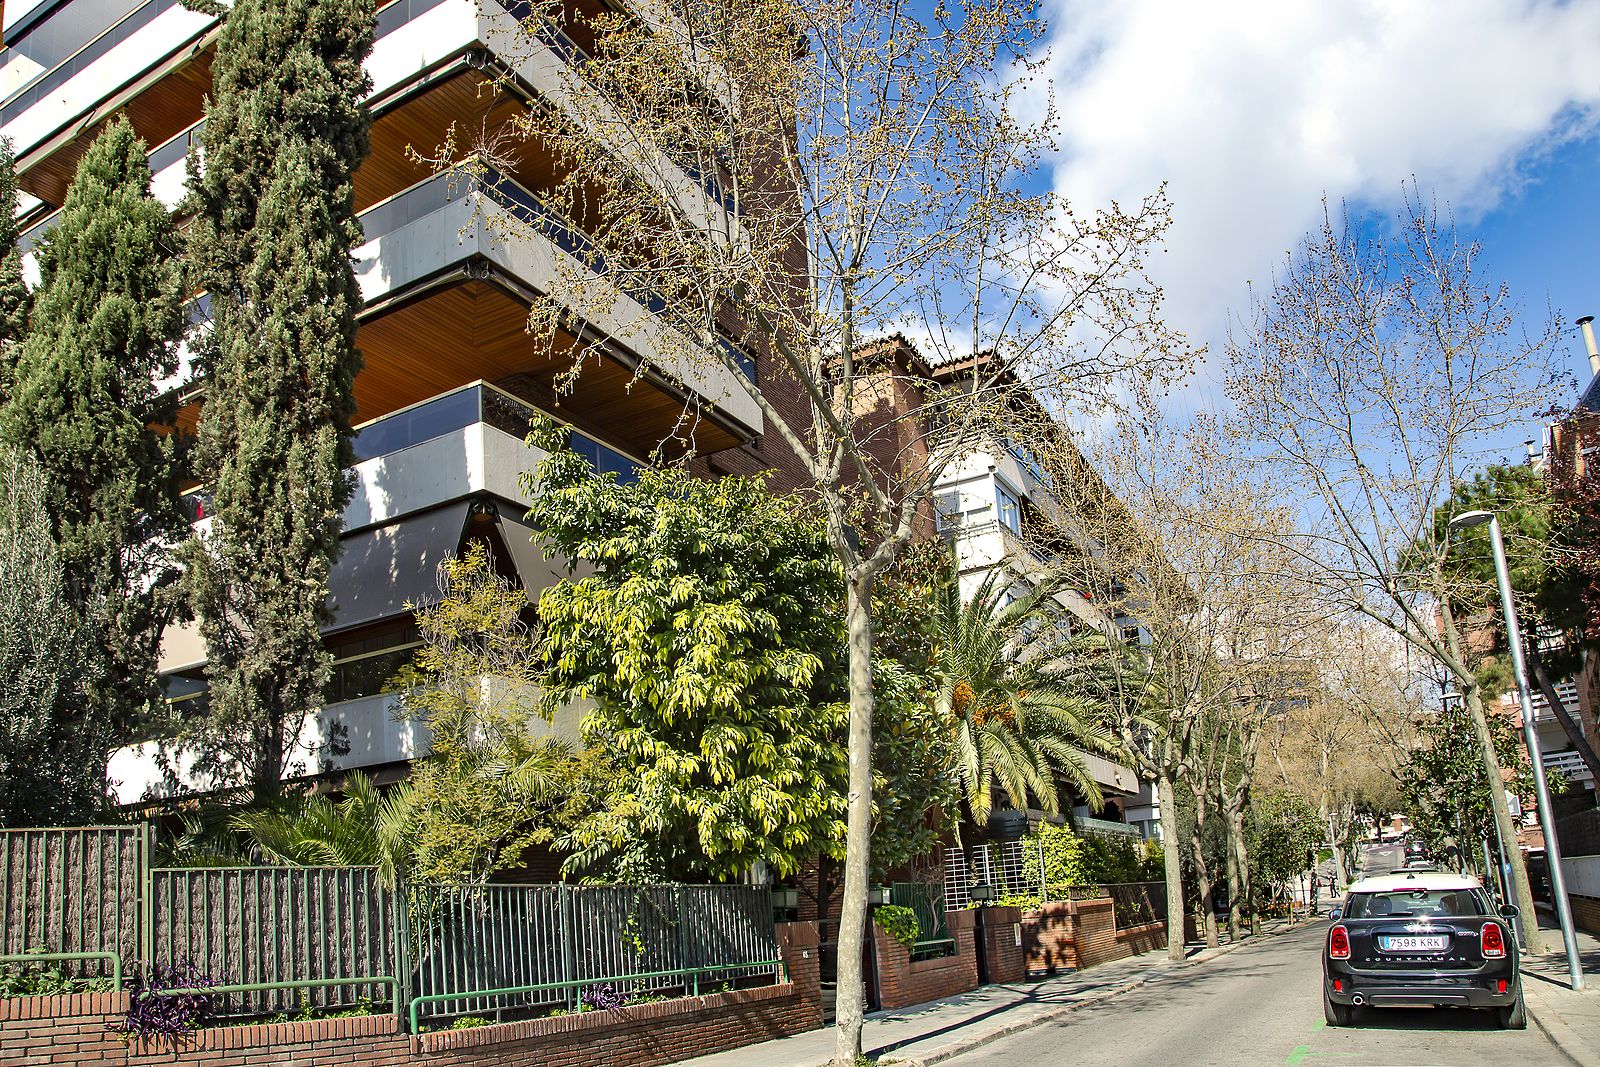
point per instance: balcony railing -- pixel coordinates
(50, 80)
(1570, 764)
(460, 408)
(451, 412)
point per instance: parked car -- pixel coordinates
(1421, 939)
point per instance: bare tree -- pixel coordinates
(795, 180)
(1184, 559)
(1374, 375)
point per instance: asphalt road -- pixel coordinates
(1261, 1005)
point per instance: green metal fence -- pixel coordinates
(499, 948)
(933, 934)
(79, 892)
(283, 939)
(318, 937)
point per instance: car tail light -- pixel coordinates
(1339, 943)
(1338, 985)
(1494, 942)
(1500, 986)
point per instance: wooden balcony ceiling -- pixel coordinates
(470, 102)
(159, 112)
(478, 330)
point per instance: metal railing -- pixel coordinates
(500, 948)
(318, 937)
(691, 985)
(271, 940)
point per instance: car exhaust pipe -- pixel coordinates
(1358, 1000)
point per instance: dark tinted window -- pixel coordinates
(1417, 904)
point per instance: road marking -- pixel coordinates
(1302, 1053)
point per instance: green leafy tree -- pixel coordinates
(1019, 723)
(1443, 788)
(490, 786)
(709, 643)
(271, 240)
(1544, 564)
(48, 773)
(1283, 827)
(106, 319)
(14, 297)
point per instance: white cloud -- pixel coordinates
(1252, 109)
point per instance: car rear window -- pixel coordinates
(1417, 904)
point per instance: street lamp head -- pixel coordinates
(1470, 518)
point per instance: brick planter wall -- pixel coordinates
(1141, 939)
(1585, 912)
(57, 1031)
(1073, 934)
(902, 982)
(1005, 957)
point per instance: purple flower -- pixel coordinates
(603, 997)
(170, 1015)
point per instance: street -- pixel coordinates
(1261, 1006)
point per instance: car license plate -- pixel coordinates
(1429, 943)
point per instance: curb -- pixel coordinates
(1562, 1036)
(978, 1040)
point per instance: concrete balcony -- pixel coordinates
(154, 66)
(449, 230)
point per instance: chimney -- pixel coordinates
(1587, 324)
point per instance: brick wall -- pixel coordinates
(1004, 955)
(903, 982)
(58, 1031)
(1073, 934)
(1585, 913)
(61, 1030)
(1142, 939)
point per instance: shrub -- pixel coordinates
(44, 979)
(900, 923)
(172, 1015)
(469, 1022)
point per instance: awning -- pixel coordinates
(380, 570)
(527, 553)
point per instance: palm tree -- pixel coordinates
(364, 828)
(1021, 722)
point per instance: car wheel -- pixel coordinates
(1340, 1014)
(1514, 1017)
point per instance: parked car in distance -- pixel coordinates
(1421, 938)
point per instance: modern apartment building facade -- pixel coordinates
(447, 271)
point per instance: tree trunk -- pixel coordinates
(852, 993)
(1541, 681)
(1205, 907)
(1171, 843)
(1238, 882)
(1529, 918)
(1334, 836)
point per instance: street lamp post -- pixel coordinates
(1552, 849)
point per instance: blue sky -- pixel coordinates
(1252, 110)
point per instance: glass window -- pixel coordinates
(1010, 510)
(366, 666)
(1417, 904)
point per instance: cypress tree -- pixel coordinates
(14, 300)
(271, 240)
(106, 320)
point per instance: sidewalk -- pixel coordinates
(1571, 1020)
(930, 1033)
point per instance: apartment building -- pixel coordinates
(447, 270)
(998, 509)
